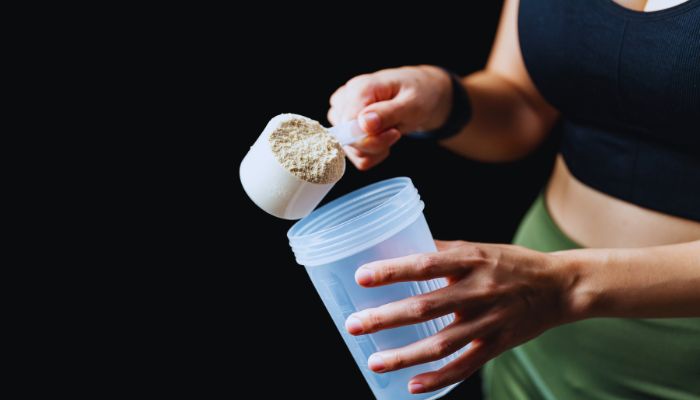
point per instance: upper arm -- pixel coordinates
(506, 61)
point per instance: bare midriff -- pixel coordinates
(595, 219)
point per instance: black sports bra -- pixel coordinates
(628, 86)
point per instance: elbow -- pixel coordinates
(530, 136)
(508, 152)
(514, 151)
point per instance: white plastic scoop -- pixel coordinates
(276, 190)
(347, 132)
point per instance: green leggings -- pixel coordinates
(601, 358)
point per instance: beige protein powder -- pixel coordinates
(306, 149)
(292, 165)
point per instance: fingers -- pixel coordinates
(370, 122)
(372, 150)
(364, 161)
(403, 312)
(350, 99)
(417, 267)
(378, 103)
(375, 145)
(464, 366)
(346, 105)
(433, 348)
(380, 116)
(332, 116)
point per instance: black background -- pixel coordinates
(295, 69)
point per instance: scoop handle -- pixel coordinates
(348, 132)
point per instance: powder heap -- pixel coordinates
(304, 148)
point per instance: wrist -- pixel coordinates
(453, 111)
(581, 294)
(442, 82)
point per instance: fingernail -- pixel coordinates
(376, 363)
(353, 325)
(364, 277)
(370, 122)
(415, 387)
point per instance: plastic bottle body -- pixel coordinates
(381, 221)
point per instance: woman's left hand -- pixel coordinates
(501, 296)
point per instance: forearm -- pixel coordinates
(505, 125)
(654, 282)
(509, 115)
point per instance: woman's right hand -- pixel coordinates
(389, 103)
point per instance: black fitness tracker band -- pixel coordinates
(460, 112)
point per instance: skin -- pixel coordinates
(504, 295)
(637, 5)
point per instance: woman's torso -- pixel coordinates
(638, 161)
(632, 129)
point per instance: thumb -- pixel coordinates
(381, 116)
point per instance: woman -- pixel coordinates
(600, 296)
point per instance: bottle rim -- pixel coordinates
(355, 221)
